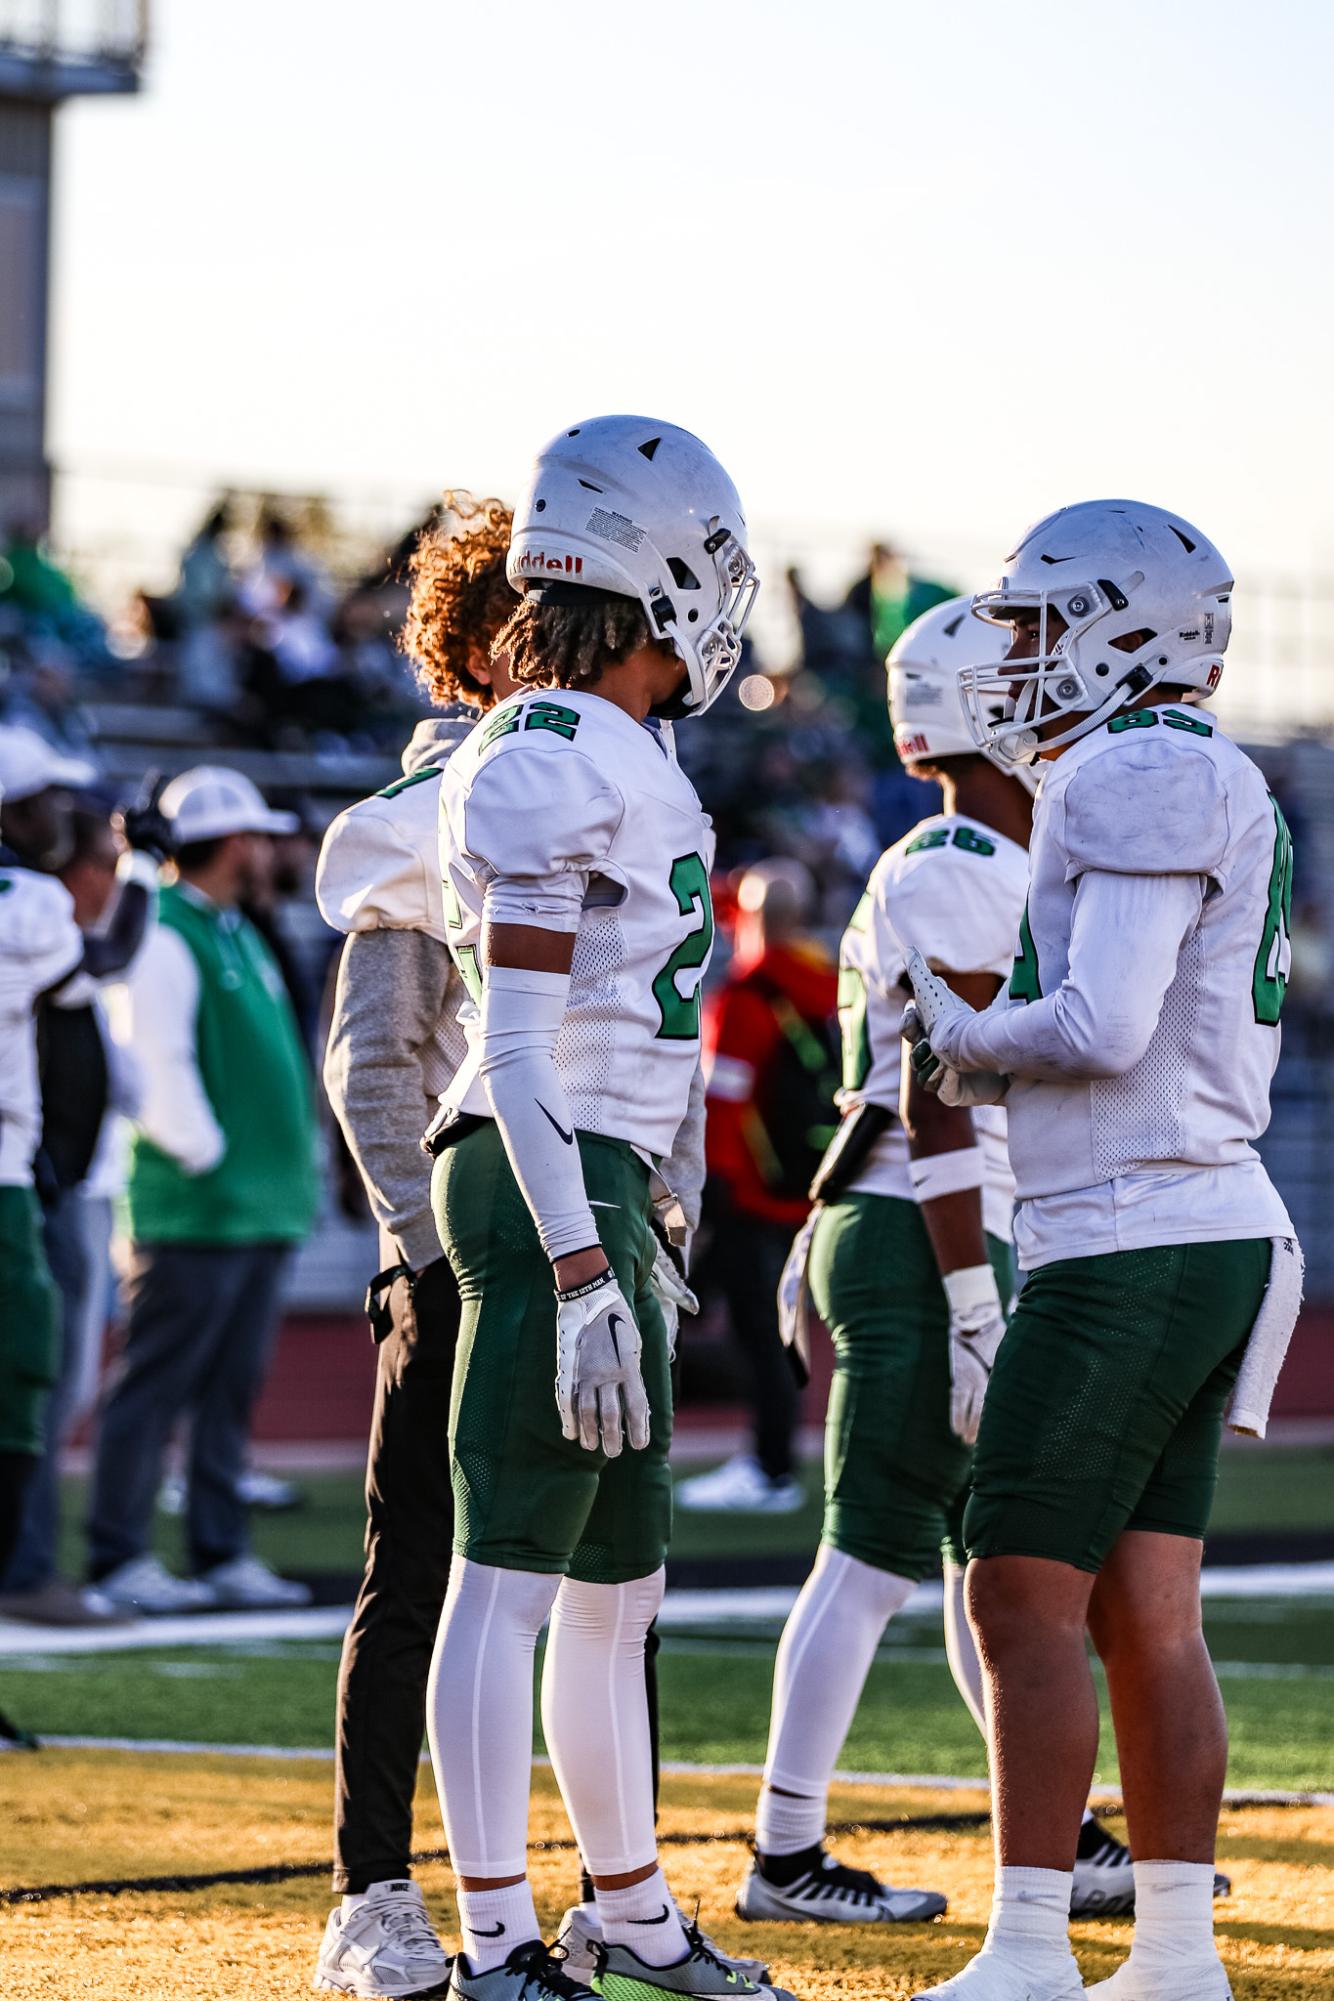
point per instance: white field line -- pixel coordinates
(676, 1768)
(763, 1603)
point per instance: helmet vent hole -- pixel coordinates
(540, 507)
(1102, 668)
(682, 574)
(574, 433)
(650, 446)
(691, 616)
(589, 486)
(1184, 540)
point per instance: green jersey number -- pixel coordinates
(406, 784)
(1148, 719)
(941, 837)
(1024, 982)
(689, 884)
(1274, 957)
(553, 716)
(464, 956)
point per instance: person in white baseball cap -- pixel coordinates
(211, 801)
(35, 779)
(222, 1186)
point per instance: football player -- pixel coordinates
(45, 958)
(1133, 1049)
(575, 859)
(394, 1044)
(908, 1260)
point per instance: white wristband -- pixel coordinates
(973, 1293)
(947, 1173)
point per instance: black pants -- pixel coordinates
(745, 1262)
(409, 1532)
(200, 1322)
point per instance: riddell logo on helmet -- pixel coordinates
(538, 559)
(912, 746)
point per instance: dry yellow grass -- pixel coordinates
(69, 1816)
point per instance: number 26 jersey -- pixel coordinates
(587, 819)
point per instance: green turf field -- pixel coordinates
(1273, 1654)
(1265, 1489)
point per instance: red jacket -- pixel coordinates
(741, 1036)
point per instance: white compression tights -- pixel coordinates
(595, 1718)
(479, 1713)
(823, 1660)
(961, 1648)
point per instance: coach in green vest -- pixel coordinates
(222, 1186)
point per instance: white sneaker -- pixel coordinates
(581, 1934)
(1203, 1980)
(246, 1584)
(144, 1584)
(831, 1894)
(385, 1946)
(992, 1976)
(741, 1487)
(268, 1493)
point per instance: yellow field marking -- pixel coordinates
(70, 1815)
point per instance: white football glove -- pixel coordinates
(977, 1323)
(937, 1015)
(672, 1293)
(965, 1088)
(598, 1368)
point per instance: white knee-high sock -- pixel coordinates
(961, 1648)
(595, 1718)
(479, 1717)
(823, 1660)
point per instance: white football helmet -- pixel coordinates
(643, 509)
(1109, 568)
(925, 700)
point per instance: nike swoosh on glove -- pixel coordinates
(671, 1291)
(598, 1372)
(977, 1326)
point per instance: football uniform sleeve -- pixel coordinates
(1102, 1017)
(154, 1013)
(389, 996)
(537, 823)
(953, 910)
(372, 877)
(42, 945)
(1153, 805)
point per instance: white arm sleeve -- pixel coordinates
(154, 1014)
(1126, 934)
(522, 1012)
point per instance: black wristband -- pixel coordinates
(607, 1277)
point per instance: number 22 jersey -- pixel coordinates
(573, 805)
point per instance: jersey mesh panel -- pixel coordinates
(1138, 1117)
(599, 954)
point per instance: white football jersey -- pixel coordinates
(556, 783)
(379, 870)
(954, 889)
(1161, 1153)
(39, 944)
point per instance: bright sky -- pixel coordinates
(926, 269)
